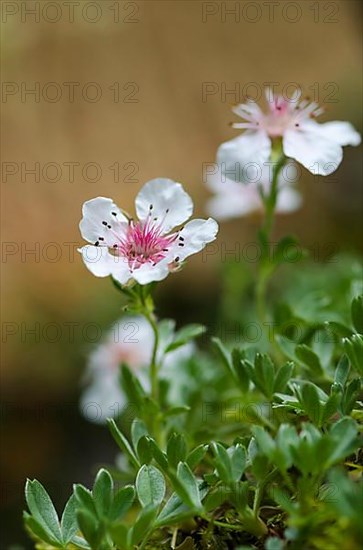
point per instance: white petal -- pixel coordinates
(232, 199)
(102, 399)
(196, 234)
(314, 151)
(148, 272)
(96, 211)
(235, 155)
(165, 200)
(101, 263)
(288, 200)
(342, 133)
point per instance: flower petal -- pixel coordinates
(101, 263)
(165, 201)
(342, 133)
(314, 151)
(249, 148)
(98, 215)
(288, 200)
(194, 237)
(148, 272)
(232, 199)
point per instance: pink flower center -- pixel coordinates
(283, 114)
(143, 242)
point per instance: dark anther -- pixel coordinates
(104, 223)
(177, 259)
(97, 243)
(109, 227)
(115, 245)
(181, 238)
(151, 206)
(101, 238)
(114, 213)
(181, 244)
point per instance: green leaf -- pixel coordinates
(132, 387)
(122, 442)
(42, 509)
(310, 402)
(174, 411)
(309, 358)
(186, 486)
(282, 377)
(122, 502)
(39, 531)
(353, 347)
(144, 523)
(196, 456)
(222, 463)
(138, 429)
(159, 456)
(184, 335)
(144, 450)
(174, 511)
(69, 523)
(102, 492)
(357, 313)
(224, 355)
(264, 441)
(90, 528)
(176, 449)
(264, 374)
(342, 371)
(119, 534)
(85, 499)
(237, 456)
(150, 485)
(240, 369)
(350, 395)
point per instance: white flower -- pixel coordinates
(143, 250)
(318, 147)
(233, 199)
(130, 342)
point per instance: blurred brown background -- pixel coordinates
(138, 71)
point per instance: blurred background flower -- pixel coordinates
(98, 102)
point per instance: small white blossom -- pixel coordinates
(143, 250)
(233, 199)
(129, 342)
(318, 147)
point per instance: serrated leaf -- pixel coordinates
(185, 335)
(42, 508)
(150, 486)
(122, 442)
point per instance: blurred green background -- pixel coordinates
(138, 71)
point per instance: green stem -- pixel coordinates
(265, 270)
